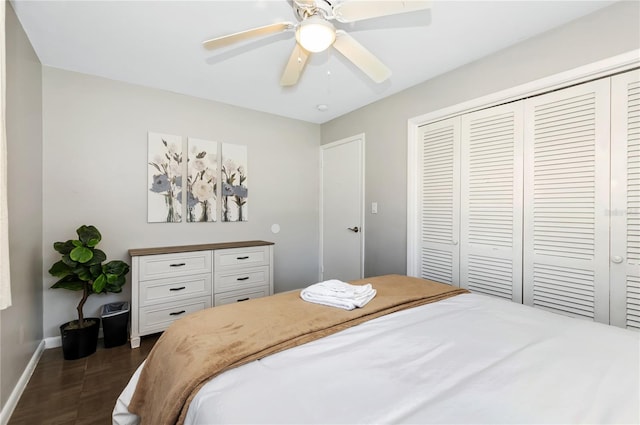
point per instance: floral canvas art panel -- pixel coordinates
(235, 191)
(164, 203)
(202, 180)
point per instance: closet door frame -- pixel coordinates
(603, 68)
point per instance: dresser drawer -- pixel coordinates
(174, 289)
(226, 259)
(158, 318)
(239, 296)
(170, 265)
(239, 279)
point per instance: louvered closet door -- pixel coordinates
(439, 203)
(566, 229)
(491, 185)
(625, 200)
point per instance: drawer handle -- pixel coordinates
(177, 289)
(243, 278)
(246, 257)
(177, 265)
(242, 299)
(177, 313)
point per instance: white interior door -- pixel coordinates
(491, 222)
(439, 201)
(566, 193)
(342, 215)
(625, 200)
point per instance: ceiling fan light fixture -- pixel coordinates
(315, 34)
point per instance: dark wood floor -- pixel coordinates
(82, 391)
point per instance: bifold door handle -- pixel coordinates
(353, 229)
(616, 259)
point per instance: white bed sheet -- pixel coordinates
(466, 359)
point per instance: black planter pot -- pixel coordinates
(80, 342)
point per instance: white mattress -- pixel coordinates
(466, 359)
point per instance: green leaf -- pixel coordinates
(81, 254)
(99, 283)
(63, 247)
(68, 261)
(69, 282)
(95, 270)
(116, 267)
(89, 235)
(114, 289)
(83, 272)
(98, 257)
(116, 285)
(60, 269)
(76, 242)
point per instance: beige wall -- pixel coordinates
(95, 172)
(21, 324)
(606, 33)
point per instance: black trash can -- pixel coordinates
(115, 323)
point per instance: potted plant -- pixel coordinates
(81, 269)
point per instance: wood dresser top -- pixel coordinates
(202, 247)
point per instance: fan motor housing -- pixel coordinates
(304, 9)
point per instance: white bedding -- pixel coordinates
(466, 359)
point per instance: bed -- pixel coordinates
(467, 358)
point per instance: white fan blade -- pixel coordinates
(227, 40)
(361, 57)
(295, 66)
(358, 10)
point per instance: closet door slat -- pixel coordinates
(566, 196)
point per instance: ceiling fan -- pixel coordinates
(314, 33)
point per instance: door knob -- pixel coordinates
(616, 259)
(354, 229)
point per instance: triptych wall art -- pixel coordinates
(192, 187)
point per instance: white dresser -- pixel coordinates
(170, 282)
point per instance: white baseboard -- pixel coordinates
(14, 397)
(52, 342)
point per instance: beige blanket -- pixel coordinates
(205, 344)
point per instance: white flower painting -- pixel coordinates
(202, 180)
(234, 182)
(164, 178)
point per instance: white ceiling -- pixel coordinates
(158, 44)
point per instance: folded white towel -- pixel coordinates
(338, 288)
(336, 293)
